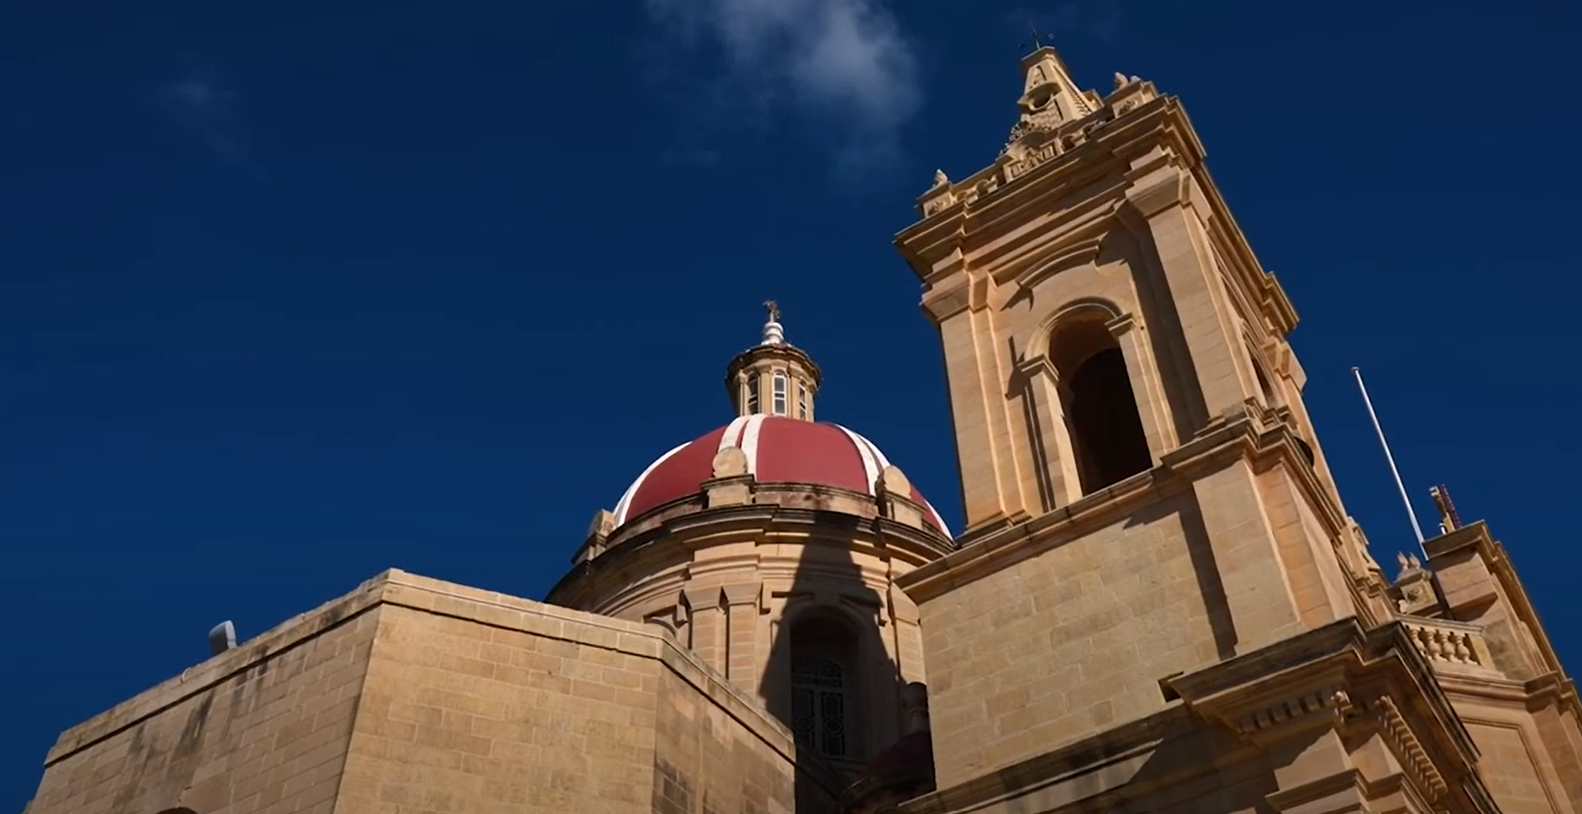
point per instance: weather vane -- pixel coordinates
(1038, 40)
(774, 310)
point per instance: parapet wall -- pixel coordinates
(415, 692)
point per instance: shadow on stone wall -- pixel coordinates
(829, 676)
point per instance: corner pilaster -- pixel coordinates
(1160, 195)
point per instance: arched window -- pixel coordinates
(752, 394)
(1101, 410)
(823, 686)
(780, 393)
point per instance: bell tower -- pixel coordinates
(1111, 342)
(1158, 586)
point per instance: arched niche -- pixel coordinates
(1099, 410)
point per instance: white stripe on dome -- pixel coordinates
(732, 432)
(749, 442)
(626, 499)
(872, 449)
(871, 468)
(937, 519)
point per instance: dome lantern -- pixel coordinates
(773, 377)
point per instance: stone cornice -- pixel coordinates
(927, 244)
(1227, 439)
(1263, 437)
(785, 352)
(1342, 676)
(754, 523)
(985, 551)
(1108, 761)
(997, 199)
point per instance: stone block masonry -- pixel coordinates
(414, 695)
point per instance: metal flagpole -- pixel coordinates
(1416, 529)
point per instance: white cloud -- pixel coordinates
(845, 61)
(201, 104)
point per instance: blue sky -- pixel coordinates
(291, 294)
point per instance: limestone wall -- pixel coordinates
(414, 694)
(1071, 640)
(263, 725)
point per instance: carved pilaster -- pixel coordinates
(742, 606)
(706, 625)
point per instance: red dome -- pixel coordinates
(778, 450)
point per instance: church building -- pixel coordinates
(1158, 602)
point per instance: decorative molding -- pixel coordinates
(1078, 253)
(1330, 702)
(1408, 749)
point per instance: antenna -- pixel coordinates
(222, 637)
(1449, 518)
(1406, 501)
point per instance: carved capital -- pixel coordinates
(696, 600)
(1156, 183)
(743, 593)
(947, 298)
(1122, 325)
(1036, 367)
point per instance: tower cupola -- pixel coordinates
(773, 377)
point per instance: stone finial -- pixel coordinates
(599, 531)
(1120, 80)
(892, 481)
(774, 332)
(603, 523)
(730, 462)
(1414, 586)
(940, 179)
